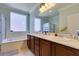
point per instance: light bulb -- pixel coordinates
(46, 7)
(43, 7)
(41, 10)
(46, 4)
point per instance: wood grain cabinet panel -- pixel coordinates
(45, 48)
(76, 52)
(63, 51)
(53, 49)
(42, 47)
(37, 46)
(37, 53)
(32, 44)
(29, 41)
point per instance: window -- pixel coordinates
(46, 27)
(17, 22)
(37, 24)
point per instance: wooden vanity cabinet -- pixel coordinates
(37, 46)
(32, 44)
(53, 49)
(45, 48)
(76, 52)
(29, 41)
(42, 47)
(61, 50)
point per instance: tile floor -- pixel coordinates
(27, 53)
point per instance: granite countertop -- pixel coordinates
(74, 43)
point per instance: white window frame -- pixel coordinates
(37, 24)
(17, 22)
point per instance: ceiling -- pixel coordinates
(54, 10)
(27, 7)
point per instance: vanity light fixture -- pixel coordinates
(45, 6)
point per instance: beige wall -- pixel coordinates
(65, 12)
(73, 23)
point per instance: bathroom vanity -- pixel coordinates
(48, 45)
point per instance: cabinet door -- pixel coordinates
(63, 50)
(29, 41)
(32, 44)
(37, 46)
(45, 48)
(76, 52)
(37, 50)
(52, 49)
